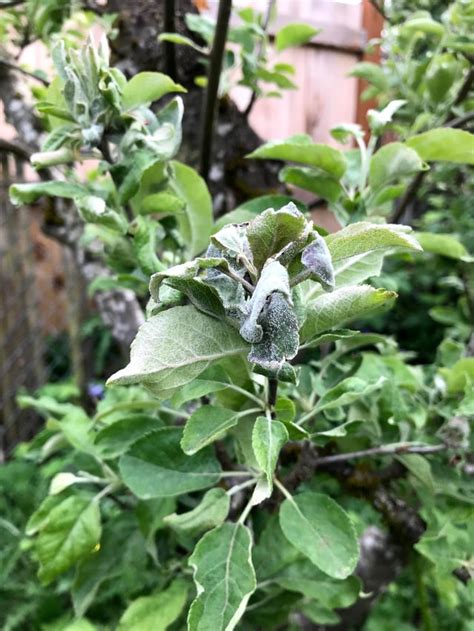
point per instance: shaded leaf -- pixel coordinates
(206, 425)
(155, 466)
(157, 611)
(211, 511)
(321, 530)
(70, 533)
(224, 577)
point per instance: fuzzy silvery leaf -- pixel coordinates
(272, 230)
(274, 278)
(224, 577)
(187, 270)
(200, 294)
(233, 240)
(183, 279)
(286, 372)
(317, 258)
(209, 513)
(173, 347)
(280, 339)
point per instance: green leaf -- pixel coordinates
(155, 466)
(346, 392)
(285, 410)
(373, 73)
(224, 577)
(422, 23)
(321, 530)
(103, 564)
(205, 425)
(156, 612)
(392, 162)
(361, 237)
(163, 203)
(29, 193)
(444, 145)
(300, 148)
(175, 346)
(272, 230)
(195, 222)
(268, 437)
(93, 209)
(459, 376)
(294, 35)
(313, 180)
(302, 576)
(176, 38)
(248, 210)
(114, 439)
(443, 244)
(203, 296)
(41, 515)
(334, 309)
(420, 468)
(211, 511)
(70, 533)
(146, 87)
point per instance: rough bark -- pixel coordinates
(232, 179)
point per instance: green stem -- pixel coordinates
(212, 90)
(246, 393)
(168, 47)
(139, 405)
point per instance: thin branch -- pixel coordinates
(231, 274)
(266, 21)
(12, 3)
(211, 94)
(466, 86)
(168, 47)
(17, 148)
(387, 450)
(460, 121)
(408, 197)
(11, 66)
